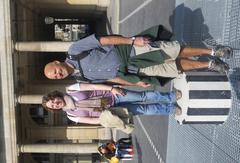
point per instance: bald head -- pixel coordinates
(56, 70)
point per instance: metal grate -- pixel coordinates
(211, 22)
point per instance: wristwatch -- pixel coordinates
(133, 40)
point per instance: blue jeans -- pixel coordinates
(147, 102)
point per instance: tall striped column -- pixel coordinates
(206, 97)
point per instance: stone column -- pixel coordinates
(8, 128)
(29, 99)
(83, 148)
(69, 133)
(46, 46)
(99, 3)
(39, 87)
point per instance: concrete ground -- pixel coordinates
(202, 23)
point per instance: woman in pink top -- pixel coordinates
(83, 102)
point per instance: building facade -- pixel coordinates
(34, 33)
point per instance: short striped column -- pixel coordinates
(206, 98)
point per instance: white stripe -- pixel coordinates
(209, 86)
(205, 118)
(135, 11)
(126, 159)
(125, 156)
(150, 141)
(210, 103)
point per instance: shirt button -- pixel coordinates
(108, 70)
(89, 70)
(99, 69)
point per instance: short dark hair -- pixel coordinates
(107, 155)
(51, 96)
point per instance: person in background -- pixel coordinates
(115, 151)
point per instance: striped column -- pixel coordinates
(206, 98)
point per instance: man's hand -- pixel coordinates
(141, 41)
(118, 91)
(143, 84)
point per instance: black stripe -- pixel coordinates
(207, 111)
(209, 94)
(207, 78)
(203, 122)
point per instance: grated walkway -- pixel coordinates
(206, 23)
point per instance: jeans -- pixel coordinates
(147, 102)
(123, 150)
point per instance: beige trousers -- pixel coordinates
(167, 69)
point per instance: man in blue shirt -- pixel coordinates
(117, 59)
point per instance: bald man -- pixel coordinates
(133, 61)
(58, 70)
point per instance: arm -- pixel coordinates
(89, 120)
(87, 87)
(118, 40)
(91, 87)
(121, 81)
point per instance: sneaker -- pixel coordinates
(223, 51)
(218, 65)
(178, 110)
(178, 94)
(131, 153)
(131, 147)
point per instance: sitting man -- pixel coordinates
(133, 61)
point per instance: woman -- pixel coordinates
(83, 102)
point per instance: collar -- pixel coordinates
(76, 71)
(70, 103)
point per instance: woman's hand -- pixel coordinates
(105, 103)
(118, 91)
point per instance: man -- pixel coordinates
(133, 61)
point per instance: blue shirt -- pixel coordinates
(101, 64)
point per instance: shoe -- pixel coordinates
(131, 147)
(218, 65)
(178, 110)
(131, 153)
(178, 94)
(223, 51)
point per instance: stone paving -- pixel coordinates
(207, 23)
(199, 23)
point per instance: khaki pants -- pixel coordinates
(167, 69)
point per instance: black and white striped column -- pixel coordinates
(206, 97)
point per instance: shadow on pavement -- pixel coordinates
(235, 81)
(189, 27)
(138, 157)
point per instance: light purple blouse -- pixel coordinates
(88, 112)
